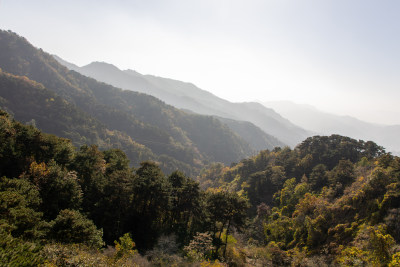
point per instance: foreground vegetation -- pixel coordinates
(59, 204)
(330, 201)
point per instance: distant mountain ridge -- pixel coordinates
(92, 112)
(187, 96)
(325, 123)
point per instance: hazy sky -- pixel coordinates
(341, 56)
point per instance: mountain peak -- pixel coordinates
(101, 66)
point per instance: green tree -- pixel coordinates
(70, 226)
(185, 204)
(261, 188)
(59, 189)
(116, 160)
(318, 177)
(90, 166)
(125, 246)
(150, 204)
(19, 205)
(115, 204)
(342, 174)
(225, 210)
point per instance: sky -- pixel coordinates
(341, 56)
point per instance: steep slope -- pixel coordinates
(325, 123)
(203, 102)
(188, 96)
(170, 133)
(172, 92)
(30, 102)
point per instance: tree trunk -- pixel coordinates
(226, 237)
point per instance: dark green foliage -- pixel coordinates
(329, 150)
(150, 204)
(116, 160)
(100, 184)
(19, 203)
(21, 145)
(343, 173)
(115, 205)
(318, 177)
(70, 226)
(263, 184)
(90, 166)
(185, 205)
(59, 189)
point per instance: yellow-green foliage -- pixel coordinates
(372, 246)
(353, 256)
(395, 260)
(125, 246)
(381, 244)
(17, 252)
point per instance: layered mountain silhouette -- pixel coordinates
(187, 96)
(325, 123)
(36, 89)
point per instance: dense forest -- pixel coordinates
(330, 201)
(53, 195)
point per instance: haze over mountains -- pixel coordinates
(287, 121)
(249, 126)
(36, 89)
(324, 123)
(105, 162)
(188, 96)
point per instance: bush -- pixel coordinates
(16, 252)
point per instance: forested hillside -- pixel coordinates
(32, 103)
(52, 196)
(330, 201)
(143, 126)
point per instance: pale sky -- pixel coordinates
(341, 56)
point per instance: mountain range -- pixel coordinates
(288, 122)
(36, 89)
(174, 123)
(189, 97)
